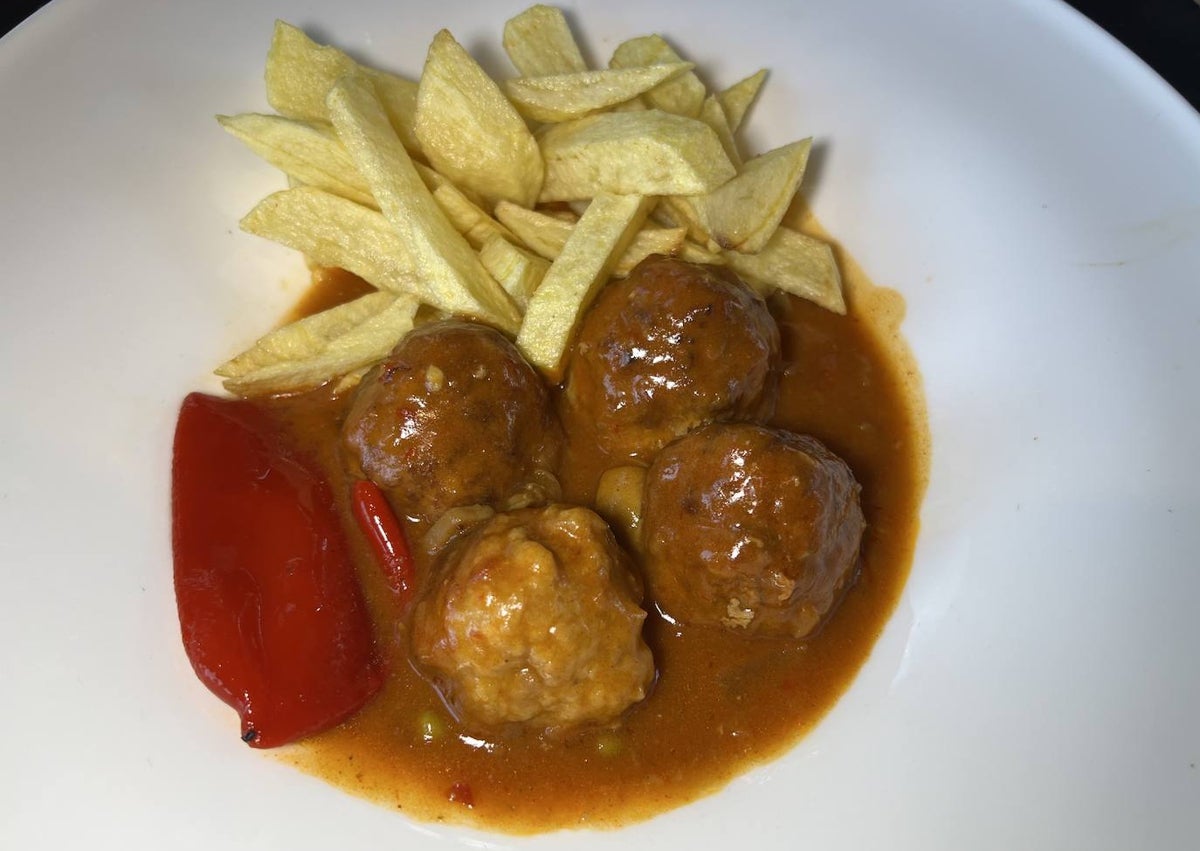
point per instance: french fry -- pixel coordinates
(306, 337)
(440, 255)
(548, 235)
(693, 253)
(301, 72)
(640, 136)
(539, 42)
(573, 279)
(648, 241)
(738, 98)
(713, 114)
(742, 214)
(683, 95)
(795, 263)
(520, 272)
(624, 153)
(632, 105)
(303, 150)
(470, 132)
(561, 97)
(309, 352)
(350, 380)
(333, 231)
(467, 217)
(541, 232)
(679, 211)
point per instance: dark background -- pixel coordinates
(1164, 33)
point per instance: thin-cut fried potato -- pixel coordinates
(626, 153)
(332, 231)
(538, 231)
(548, 235)
(520, 272)
(349, 381)
(305, 151)
(318, 348)
(742, 214)
(713, 114)
(694, 253)
(680, 212)
(795, 263)
(633, 105)
(539, 42)
(586, 262)
(642, 137)
(306, 337)
(650, 241)
(301, 72)
(790, 261)
(738, 98)
(561, 97)
(434, 180)
(441, 256)
(683, 95)
(470, 132)
(468, 218)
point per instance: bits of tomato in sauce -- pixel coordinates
(461, 793)
(273, 619)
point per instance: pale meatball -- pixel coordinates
(673, 346)
(753, 528)
(455, 416)
(535, 620)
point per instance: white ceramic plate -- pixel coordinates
(1030, 187)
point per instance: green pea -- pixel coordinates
(431, 726)
(609, 745)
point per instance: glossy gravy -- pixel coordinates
(722, 702)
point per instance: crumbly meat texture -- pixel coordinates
(671, 347)
(534, 619)
(752, 528)
(455, 416)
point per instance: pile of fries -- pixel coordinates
(509, 202)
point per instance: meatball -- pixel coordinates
(672, 346)
(454, 416)
(754, 528)
(534, 619)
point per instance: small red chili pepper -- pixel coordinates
(378, 522)
(272, 616)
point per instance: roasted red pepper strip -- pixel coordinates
(272, 615)
(378, 522)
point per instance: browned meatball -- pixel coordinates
(534, 619)
(670, 347)
(454, 416)
(757, 529)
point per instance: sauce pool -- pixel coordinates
(722, 702)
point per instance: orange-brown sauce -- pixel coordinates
(722, 702)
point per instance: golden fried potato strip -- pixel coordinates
(795, 263)
(307, 151)
(574, 278)
(738, 98)
(561, 97)
(683, 95)
(301, 72)
(309, 352)
(469, 130)
(742, 214)
(519, 271)
(539, 42)
(547, 235)
(626, 153)
(440, 255)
